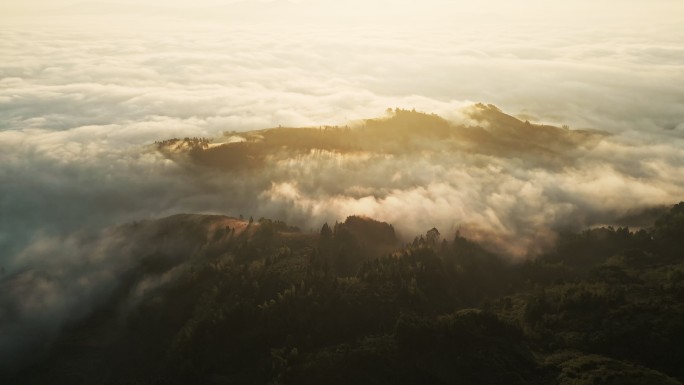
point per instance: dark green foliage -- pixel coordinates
(466, 347)
(348, 245)
(228, 301)
(669, 230)
(579, 369)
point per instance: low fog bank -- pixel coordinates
(490, 177)
(65, 278)
(510, 184)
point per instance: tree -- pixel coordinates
(326, 232)
(433, 237)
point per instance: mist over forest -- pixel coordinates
(309, 191)
(518, 276)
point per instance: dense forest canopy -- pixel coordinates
(219, 300)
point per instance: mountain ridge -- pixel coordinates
(401, 133)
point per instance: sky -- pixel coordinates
(87, 87)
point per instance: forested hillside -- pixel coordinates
(258, 302)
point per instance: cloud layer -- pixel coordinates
(82, 99)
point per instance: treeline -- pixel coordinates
(194, 143)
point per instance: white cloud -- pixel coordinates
(81, 98)
(75, 100)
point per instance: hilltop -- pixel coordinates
(488, 131)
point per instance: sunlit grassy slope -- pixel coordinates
(407, 133)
